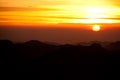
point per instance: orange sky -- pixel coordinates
(52, 12)
(62, 21)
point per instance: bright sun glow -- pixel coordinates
(45, 12)
(96, 12)
(96, 28)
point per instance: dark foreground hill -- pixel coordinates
(89, 62)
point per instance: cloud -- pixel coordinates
(26, 9)
(70, 17)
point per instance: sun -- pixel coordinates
(96, 28)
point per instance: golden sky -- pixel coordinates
(41, 12)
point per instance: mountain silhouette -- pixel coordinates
(37, 56)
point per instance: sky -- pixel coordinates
(59, 20)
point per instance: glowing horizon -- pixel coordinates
(43, 12)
